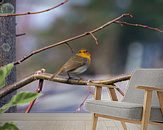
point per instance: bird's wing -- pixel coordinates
(72, 64)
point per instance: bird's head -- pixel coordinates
(85, 54)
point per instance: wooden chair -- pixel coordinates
(142, 103)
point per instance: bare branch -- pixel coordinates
(72, 38)
(69, 47)
(93, 36)
(85, 34)
(139, 25)
(31, 13)
(46, 76)
(38, 90)
(80, 106)
(21, 34)
(120, 91)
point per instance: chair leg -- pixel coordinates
(98, 91)
(160, 98)
(146, 109)
(94, 121)
(124, 125)
(144, 126)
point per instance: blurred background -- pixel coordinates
(121, 50)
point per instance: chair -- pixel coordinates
(142, 103)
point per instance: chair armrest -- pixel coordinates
(107, 86)
(111, 89)
(148, 99)
(150, 88)
(100, 85)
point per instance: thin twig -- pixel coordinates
(21, 34)
(70, 47)
(120, 91)
(72, 38)
(38, 90)
(90, 92)
(45, 76)
(80, 106)
(93, 36)
(139, 25)
(31, 13)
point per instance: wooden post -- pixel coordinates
(146, 109)
(98, 91)
(112, 94)
(7, 46)
(160, 98)
(113, 97)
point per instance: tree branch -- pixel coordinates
(38, 90)
(72, 38)
(21, 34)
(31, 13)
(139, 25)
(46, 76)
(94, 37)
(72, 51)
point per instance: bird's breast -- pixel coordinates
(80, 70)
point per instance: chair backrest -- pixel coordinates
(143, 77)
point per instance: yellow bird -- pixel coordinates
(77, 64)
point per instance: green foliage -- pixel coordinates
(7, 8)
(18, 99)
(4, 72)
(24, 97)
(9, 126)
(5, 107)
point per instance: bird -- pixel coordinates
(76, 65)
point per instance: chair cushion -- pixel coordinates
(125, 110)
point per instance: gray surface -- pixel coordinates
(125, 110)
(58, 121)
(144, 77)
(63, 121)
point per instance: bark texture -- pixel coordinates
(8, 49)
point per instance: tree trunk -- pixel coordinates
(8, 48)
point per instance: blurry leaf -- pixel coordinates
(9, 126)
(24, 97)
(5, 107)
(4, 72)
(18, 99)
(2, 82)
(9, 68)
